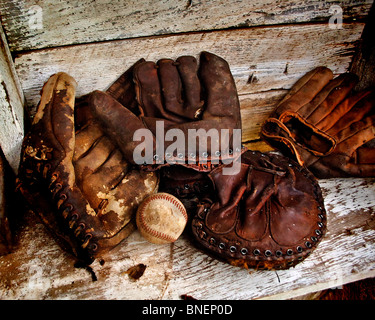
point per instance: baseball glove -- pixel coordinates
(268, 216)
(325, 125)
(182, 95)
(188, 185)
(75, 177)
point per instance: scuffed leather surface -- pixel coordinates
(325, 125)
(270, 215)
(185, 94)
(75, 177)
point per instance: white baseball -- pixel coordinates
(161, 218)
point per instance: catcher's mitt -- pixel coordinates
(180, 95)
(325, 125)
(76, 179)
(269, 216)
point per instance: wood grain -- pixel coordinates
(255, 108)
(264, 61)
(39, 269)
(74, 22)
(11, 107)
(268, 45)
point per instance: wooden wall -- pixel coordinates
(268, 44)
(11, 107)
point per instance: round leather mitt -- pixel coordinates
(268, 216)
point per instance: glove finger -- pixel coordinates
(188, 68)
(343, 108)
(82, 112)
(85, 139)
(361, 170)
(230, 188)
(118, 123)
(58, 91)
(363, 108)
(148, 89)
(220, 89)
(149, 92)
(93, 158)
(366, 153)
(342, 166)
(171, 87)
(304, 90)
(292, 142)
(123, 89)
(253, 223)
(356, 135)
(326, 101)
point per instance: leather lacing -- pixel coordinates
(289, 258)
(66, 209)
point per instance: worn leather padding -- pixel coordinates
(323, 123)
(113, 187)
(75, 177)
(268, 215)
(186, 96)
(46, 174)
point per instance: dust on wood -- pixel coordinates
(39, 269)
(33, 25)
(260, 53)
(11, 111)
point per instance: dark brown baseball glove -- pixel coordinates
(184, 96)
(188, 185)
(325, 125)
(268, 216)
(75, 177)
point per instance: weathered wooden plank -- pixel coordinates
(263, 61)
(255, 109)
(30, 25)
(39, 269)
(11, 107)
(364, 61)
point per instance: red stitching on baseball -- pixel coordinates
(169, 198)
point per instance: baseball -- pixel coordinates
(161, 218)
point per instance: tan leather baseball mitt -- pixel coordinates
(325, 125)
(75, 177)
